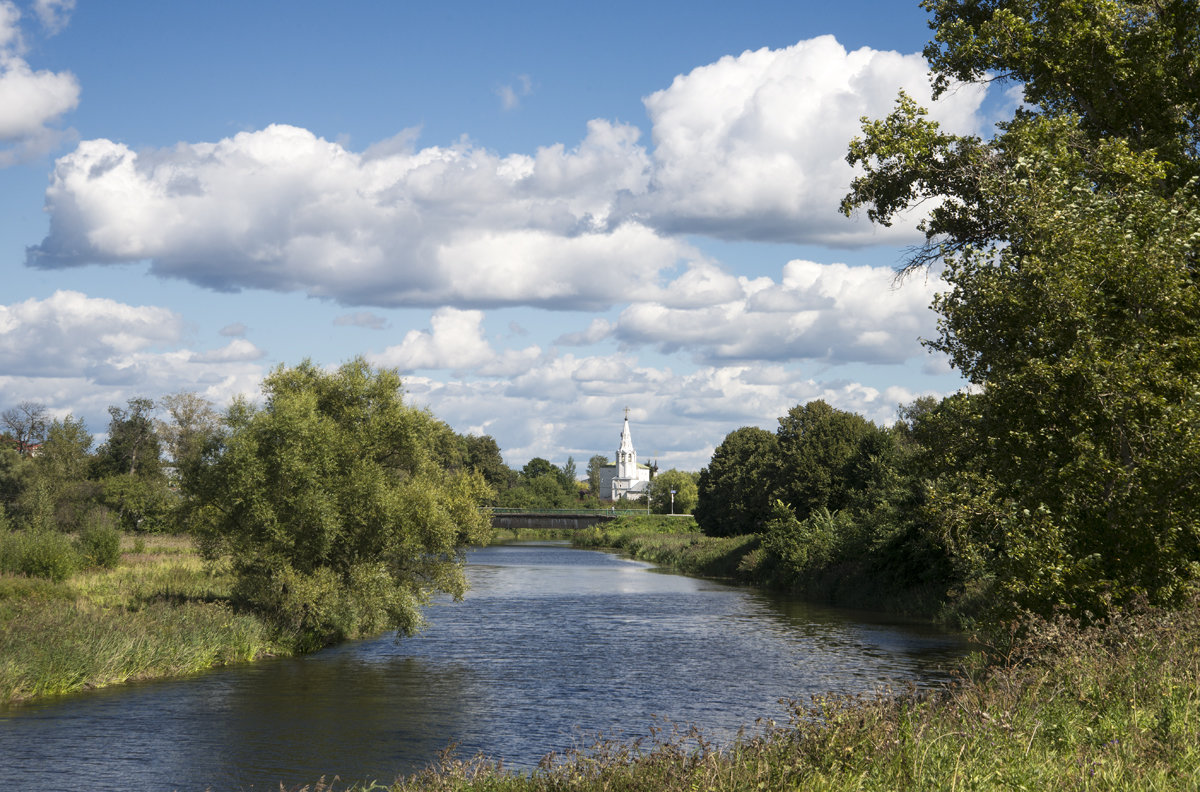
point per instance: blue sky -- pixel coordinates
(540, 215)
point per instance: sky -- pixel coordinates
(540, 213)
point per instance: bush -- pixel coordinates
(100, 542)
(46, 554)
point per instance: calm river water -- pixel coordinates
(552, 646)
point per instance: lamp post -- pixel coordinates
(672, 503)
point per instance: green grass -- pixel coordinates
(161, 612)
(676, 542)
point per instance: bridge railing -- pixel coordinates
(500, 510)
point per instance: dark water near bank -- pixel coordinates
(552, 645)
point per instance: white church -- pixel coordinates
(626, 479)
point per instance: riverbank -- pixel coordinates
(677, 543)
(160, 612)
(1063, 707)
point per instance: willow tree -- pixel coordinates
(334, 506)
(1070, 241)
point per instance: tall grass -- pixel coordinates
(161, 612)
(51, 647)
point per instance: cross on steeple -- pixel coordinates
(626, 413)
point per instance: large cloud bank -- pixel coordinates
(751, 147)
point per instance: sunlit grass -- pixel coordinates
(161, 612)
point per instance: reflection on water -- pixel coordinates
(551, 646)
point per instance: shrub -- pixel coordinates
(100, 542)
(47, 554)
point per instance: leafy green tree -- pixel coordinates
(1071, 243)
(340, 517)
(538, 467)
(734, 493)
(594, 466)
(483, 455)
(15, 471)
(130, 469)
(62, 470)
(685, 490)
(194, 425)
(132, 446)
(569, 473)
(817, 445)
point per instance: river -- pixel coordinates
(551, 647)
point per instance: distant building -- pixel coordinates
(626, 479)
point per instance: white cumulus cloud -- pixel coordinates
(283, 209)
(833, 313)
(80, 354)
(30, 100)
(754, 146)
(750, 147)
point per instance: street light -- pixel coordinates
(672, 503)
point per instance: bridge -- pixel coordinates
(556, 519)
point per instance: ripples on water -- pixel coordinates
(550, 647)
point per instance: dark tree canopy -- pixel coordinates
(132, 447)
(817, 444)
(735, 490)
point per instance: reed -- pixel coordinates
(161, 612)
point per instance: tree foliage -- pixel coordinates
(1071, 245)
(734, 492)
(334, 502)
(683, 484)
(594, 466)
(817, 445)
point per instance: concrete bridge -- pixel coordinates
(556, 519)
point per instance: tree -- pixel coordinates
(538, 467)
(132, 446)
(682, 484)
(129, 467)
(483, 455)
(26, 425)
(194, 425)
(817, 444)
(594, 465)
(62, 474)
(569, 473)
(339, 516)
(1071, 243)
(734, 491)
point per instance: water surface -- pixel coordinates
(551, 647)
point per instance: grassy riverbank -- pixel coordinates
(1065, 707)
(678, 544)
(161, 612)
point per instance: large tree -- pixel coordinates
(817, 444)
(193, 423)
(1071, 246)
(336, 506)
(735, 490)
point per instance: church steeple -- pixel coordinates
(626, 456)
